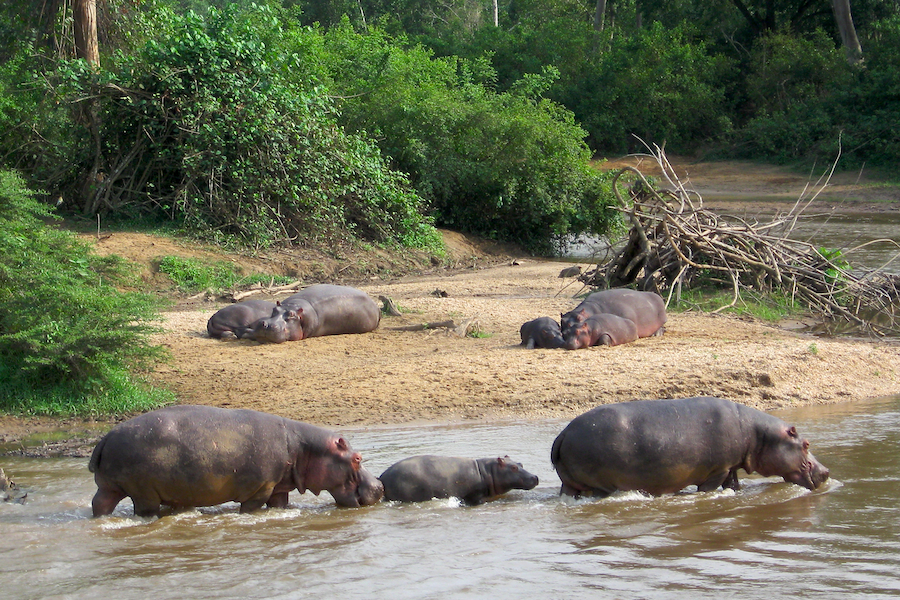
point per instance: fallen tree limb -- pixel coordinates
(674, 242)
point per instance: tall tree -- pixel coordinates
(88, 48)
(845, 26)
(599, 13)
(85, 20)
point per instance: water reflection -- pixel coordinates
(770, 538)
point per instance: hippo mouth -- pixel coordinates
(811, 475)
(362, 494)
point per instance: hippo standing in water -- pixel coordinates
(318, 310)
(663, 446)
(542, 332)
(238, 318)
(188, 456)
(645, 309)
(421, 478)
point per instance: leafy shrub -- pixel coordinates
(68, 340)
(812, 105)
(510, 166)
(202, 126)
(658, 85)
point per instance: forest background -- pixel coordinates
(328, 123)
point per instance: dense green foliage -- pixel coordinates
(507, 165)
(771, 82)
(68, 339)
(201, 125)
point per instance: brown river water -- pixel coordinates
(770, 539)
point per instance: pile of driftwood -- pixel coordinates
(673, 242)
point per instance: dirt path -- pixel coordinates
(392, 376)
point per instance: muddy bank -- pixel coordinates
(396, 376)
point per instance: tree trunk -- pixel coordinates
(599, 13)
(85, 19)
(496, 14)
(84, 14)
(845, 26)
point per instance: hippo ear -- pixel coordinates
(792, 431)
(342, 444)
(500, 461)
(294, 315)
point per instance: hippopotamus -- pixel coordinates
(663, 446)
(238, 318)
(189, 456)
(318, 310)
(646, 309)
(422, 478)
(602, 329)
(542, 332)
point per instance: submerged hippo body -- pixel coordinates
(663, 446)
(602, 329)
(237, 319)
(318, 310)
(421, 478)
(188, 456)
(646, 310)
(543, 332)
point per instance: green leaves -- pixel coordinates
(64, 331)
(511, 166)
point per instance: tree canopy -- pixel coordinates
(298, 121)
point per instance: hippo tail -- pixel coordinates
(96, 455)
(554, 451)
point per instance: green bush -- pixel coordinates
(203, 126)
(811, 105)
(69, 341)
(510, 166)
(658, 85)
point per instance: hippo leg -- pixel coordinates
(278, 500)
(105, 501)
(265, 495)
(731, 482)
(715, 481)
(569, 490)
(146, 508)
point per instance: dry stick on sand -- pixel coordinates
(673, 240)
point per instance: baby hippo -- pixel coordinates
(422, 478)
(542, 332)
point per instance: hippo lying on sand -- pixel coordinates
(238, 319)
(645, 309)
(541, 333)
(601, 330)
(187, 456)
(421, 478)
(318, 310)
(663, 446)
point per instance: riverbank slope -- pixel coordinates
(395, 375)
